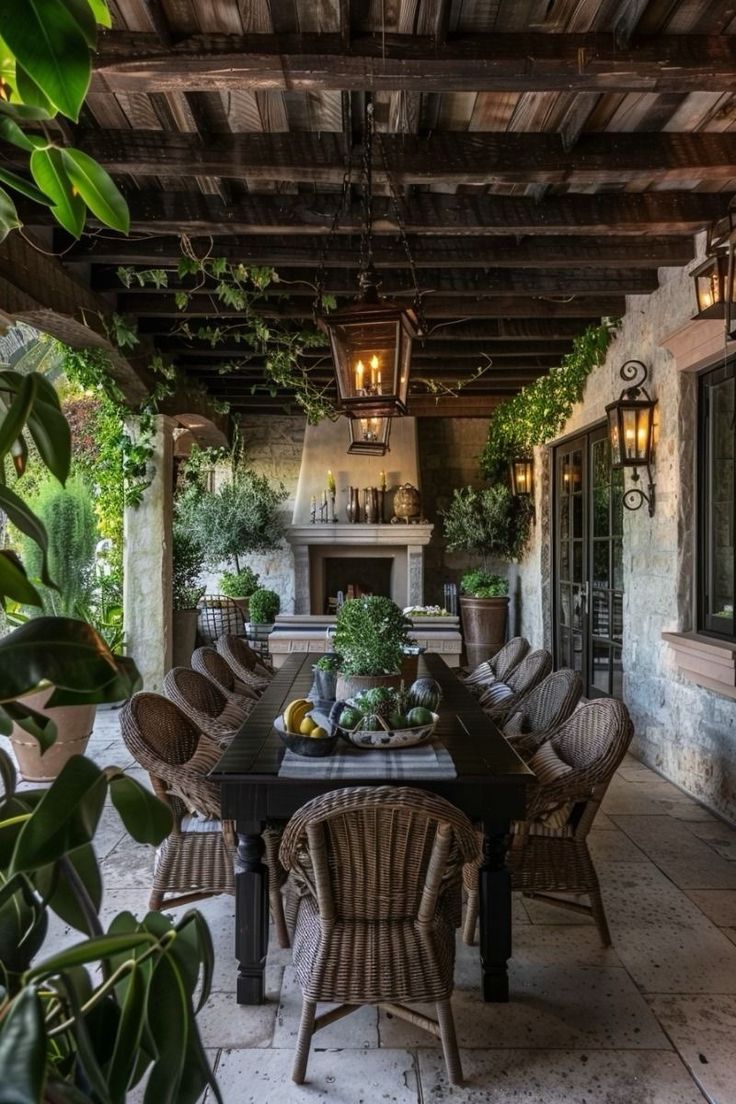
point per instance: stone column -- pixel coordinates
(147, 561)
(415, 575)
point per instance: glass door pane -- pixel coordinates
(570, 556)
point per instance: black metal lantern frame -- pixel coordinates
(371, 339)
(369, 436)
(631, 433)
(715, 277)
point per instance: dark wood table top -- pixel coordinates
(479, 751)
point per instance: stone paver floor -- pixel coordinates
(651, 1020)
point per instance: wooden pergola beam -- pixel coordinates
(504, 283)
(573, 306)
(426, 350)
(552, 251)
(446, 157)
(521, 62)
(427, 213)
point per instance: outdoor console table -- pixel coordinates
(490, 787)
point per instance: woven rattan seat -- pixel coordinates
(216, 668)
(246, 664)
(547, 861)
(529, 673)
(543, 709)
(217, 615)
(380, 869)
(209, 708)
(498, 666)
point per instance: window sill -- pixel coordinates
(702, 659)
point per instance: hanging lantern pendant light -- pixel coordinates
(371, 339)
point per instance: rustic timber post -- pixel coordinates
(147, 561)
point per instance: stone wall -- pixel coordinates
(449, 451)
(686, 732)
(273, 447)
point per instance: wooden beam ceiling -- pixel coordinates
(526, 62)
(428, 213)
(447, 157)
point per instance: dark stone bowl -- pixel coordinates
(305, 745)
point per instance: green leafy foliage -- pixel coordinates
(45, 70)
(67, 515)
(239, 584)
(263, 606)
(243, 288)
(539, 411)
(188, 562)
(483, 584)
(370, 636)
(239, 518)
(489, 523)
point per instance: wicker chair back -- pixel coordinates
(510, 656)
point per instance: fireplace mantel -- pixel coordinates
(359, 534)
(404, 543)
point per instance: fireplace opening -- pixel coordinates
(355, 576)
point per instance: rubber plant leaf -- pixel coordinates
(124, 682)
(17, 413)
(146, 818)
(127, 1041)
(26, 521)
(59, 894)
(38, 725)
(61, 650)
(65, 818)
(48, 42)
(23, 1049)
(98, 189)
(20, 184)
(14, 583)
(49, 172)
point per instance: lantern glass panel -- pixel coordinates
(614, 435)
(369, 436)
(366, 354)
(522, 477)
(712, 290)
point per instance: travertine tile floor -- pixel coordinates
(651, 1020)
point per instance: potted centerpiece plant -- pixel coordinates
(325, 675)
(370, 636)
(188, 561)
(492, 524)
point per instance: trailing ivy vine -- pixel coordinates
(538, 412)
(244, 288)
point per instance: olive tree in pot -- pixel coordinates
(239, 519)
(188, 561)
(370, 637)
(492, 524)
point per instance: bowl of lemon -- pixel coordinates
(301, 733)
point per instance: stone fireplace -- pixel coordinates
(316, 547)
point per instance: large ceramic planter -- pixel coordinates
(350, 685)
(484, 627)
(184, 636)
(73, 730)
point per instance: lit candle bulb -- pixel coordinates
(630, 442)
(359, 370)
(375, 374)
(330, 482)
(382, 480)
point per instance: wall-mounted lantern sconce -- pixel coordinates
(369, 436)
(631, 432)
(522, 476)
(715, 277)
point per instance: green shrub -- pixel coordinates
(490, 523)
(68, 515)
(483, 584)
(370, 636)
(188, 561)
(263, 606)
(239, 584)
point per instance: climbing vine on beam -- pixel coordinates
(538, 412)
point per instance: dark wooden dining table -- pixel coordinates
(490, 787)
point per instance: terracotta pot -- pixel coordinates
(484, 627)
(184, 636)
(73, 730)
(350, 685)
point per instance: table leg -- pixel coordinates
(495, 912)
(251, 915)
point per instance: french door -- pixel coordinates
(588, 562)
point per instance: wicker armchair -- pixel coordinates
(543, 709)
(206, 706)
(218, 614)
(549, 852)
(380, 869)
(214, 667)
(196, 860)
(244, 662)
(529, 673)
(499, 666)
